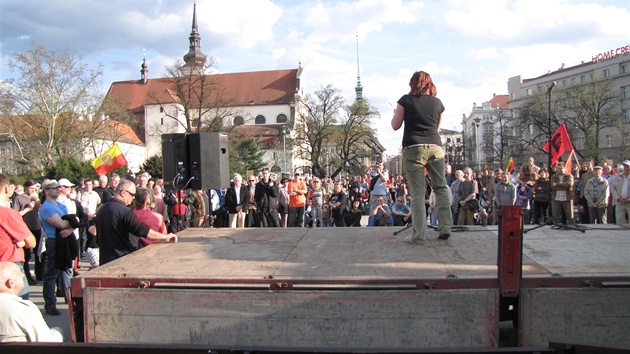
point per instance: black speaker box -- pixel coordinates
(208, 160)
(174, 160)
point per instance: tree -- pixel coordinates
(589, 108)
(321, 111)
(586, 109)
(355, 138)
(46, 106)
(201, 102)
(153, 166)
(71, 169)
(245, 155)
(498, 147)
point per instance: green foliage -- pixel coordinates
(245, 154)
(153, 165)
(70, 168)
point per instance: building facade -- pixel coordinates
(484, 134)
(592, 99)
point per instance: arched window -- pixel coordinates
(260, 119)
(238, 120)
(281, 118)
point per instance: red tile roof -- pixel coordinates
(500, 100)
(248, 88)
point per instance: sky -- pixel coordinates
(469, 47)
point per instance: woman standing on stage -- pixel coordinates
(421, 112)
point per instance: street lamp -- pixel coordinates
(284, 147)
(477, 121)
(553, 83)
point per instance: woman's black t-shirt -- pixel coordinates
(422, 113)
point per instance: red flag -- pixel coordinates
(560, 143)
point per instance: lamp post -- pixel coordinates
(477, 121)
(284, 147)
(553, 83)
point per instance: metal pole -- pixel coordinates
(549, 143)
(284, 148)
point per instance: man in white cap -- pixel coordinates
(621, 194)
(50, 214)
(20, 320)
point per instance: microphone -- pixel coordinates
(551, 85)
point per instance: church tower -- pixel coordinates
(358, 89)
(194, 60)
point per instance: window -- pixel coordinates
(459, 140)
(161, 109)
(238, 120)
(606, 72)
(194, 122)
(623, 69)
(260, 119)
(564, 83)
(448, 140)
(609, 140)
(488, 129)
(626, 115)
(578, 143)
(625, 91)
(281, 118)
(582, 79)
(529, 92)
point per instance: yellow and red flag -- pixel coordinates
(110, 160)
(510, 165)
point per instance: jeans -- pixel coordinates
(24, 293)
(50, 276)
(296, 217)
(327, 222)
(415, 160)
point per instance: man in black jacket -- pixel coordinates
(236, 202)
(266, 199)
(117, 228)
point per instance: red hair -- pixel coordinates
(421, 82)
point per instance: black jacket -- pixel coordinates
(230, 199)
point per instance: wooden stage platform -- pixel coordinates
(359, 287)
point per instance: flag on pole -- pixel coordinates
(109, 161)
(560, 143)
(569, 163)
(510, 165)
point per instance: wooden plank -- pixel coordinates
(575, 315)
(368, 253)
(308, 319)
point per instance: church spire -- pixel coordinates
(194, 59)
(358, 89)
(144, 69)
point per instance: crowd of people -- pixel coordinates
(56, 222)
(599, 193)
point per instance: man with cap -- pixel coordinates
(297, 198)
(74, 207)
(562, 195)
(50, 214)
(21, 320)
(621, 194)
(14, 234)
(596, 193)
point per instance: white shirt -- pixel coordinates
(90, 200)
(21, 321)
(72, 209)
